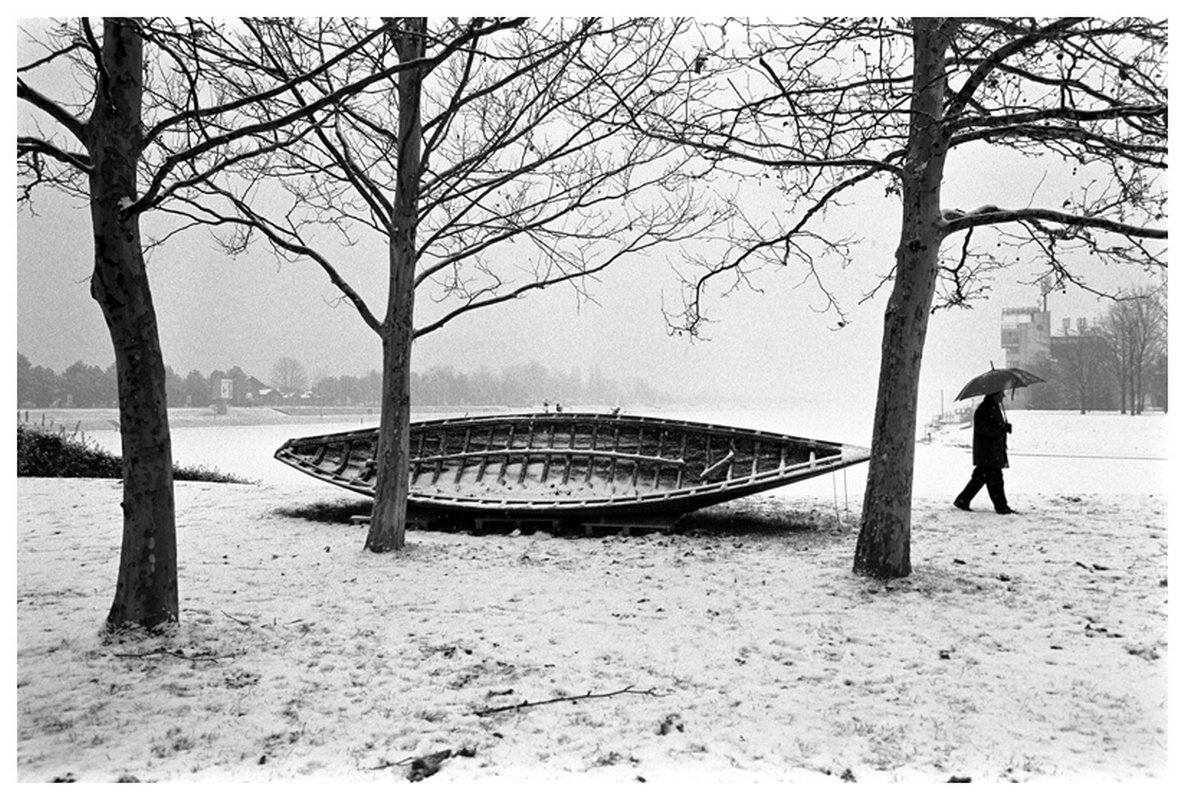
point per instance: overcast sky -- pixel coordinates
(770, 347)
(216, 312)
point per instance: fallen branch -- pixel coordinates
(427, 765)
(242, 622)
(483, 712)
(161, 651)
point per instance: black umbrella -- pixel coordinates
(998, 380)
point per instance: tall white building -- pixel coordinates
(1024, 334)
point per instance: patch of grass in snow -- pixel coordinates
(344, 512)
(337, 511)
(762, 516)
(176, 741)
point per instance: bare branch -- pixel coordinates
(818, 102)
(996, 216)
(30, 95)
(590, 695)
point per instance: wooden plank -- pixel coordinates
(588, 474)
(683, 458)
(637, 463)
(345, 461)
(461, 462)
(571, 449)
(726, 461)
(548, 455)
(506, 458)
(626, 527)
(560, 451)
(662, 437)
(485, 458)
(522, 470)
(441, 457)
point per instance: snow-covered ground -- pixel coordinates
(739, 648)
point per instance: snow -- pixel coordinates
(1030, 648)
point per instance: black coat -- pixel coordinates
(989, 445)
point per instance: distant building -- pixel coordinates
(1025, 337)
(257, 392)
(267, 396)
(235, 388)
(1071, 360)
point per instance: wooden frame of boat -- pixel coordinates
(587, 468)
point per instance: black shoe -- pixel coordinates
(1006, 511)
(959, 504)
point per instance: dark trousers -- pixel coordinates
(993, 478)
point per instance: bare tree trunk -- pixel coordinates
(1122, 373)
(1137, 387)
(1128, 400)
(146, 590)
(388, 520)
(882, 549)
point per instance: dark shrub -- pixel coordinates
(45, 453)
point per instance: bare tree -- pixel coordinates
(129, 119)
(289, 375)
(486, 171)
(1082, 364)
(1135, 332)
(843, 111)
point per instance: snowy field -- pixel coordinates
(739, 649)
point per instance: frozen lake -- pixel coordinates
(1050, 452)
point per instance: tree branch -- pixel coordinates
(55, 111)
(999, 56)
(30, 145)
(996, 216)
(485, 712)
(152, 192)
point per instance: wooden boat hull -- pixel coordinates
(573, 467)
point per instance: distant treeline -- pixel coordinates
(531, 384)
(528, 384)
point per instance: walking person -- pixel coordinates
(989, 455)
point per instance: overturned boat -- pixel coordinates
(573, 468)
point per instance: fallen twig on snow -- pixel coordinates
(483, 712)
(178, 653)
(427, 765)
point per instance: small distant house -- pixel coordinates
(255, 391)
(267, 396)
